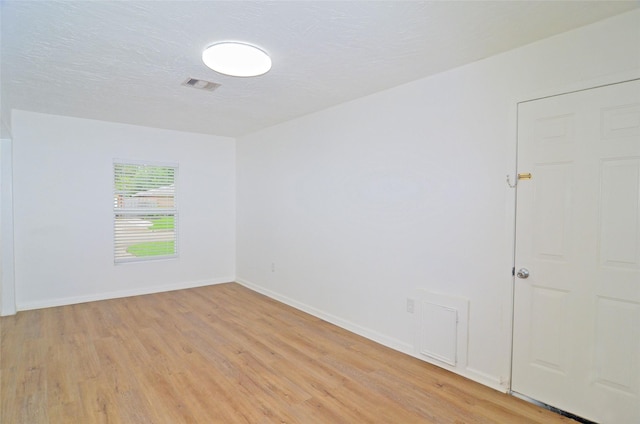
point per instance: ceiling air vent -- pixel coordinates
(200, 84)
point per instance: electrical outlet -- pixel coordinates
(273, 267)
(410, 305)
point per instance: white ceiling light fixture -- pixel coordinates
(236, 59)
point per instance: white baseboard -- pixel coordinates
(390, 342)
(485, 379)
(48, 303)
(342, 323)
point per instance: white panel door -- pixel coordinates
(576, 341)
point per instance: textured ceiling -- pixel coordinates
(124, 61)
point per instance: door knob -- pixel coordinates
(523, 273)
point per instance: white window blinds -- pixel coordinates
(145, 215)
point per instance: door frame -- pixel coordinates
(7, 276)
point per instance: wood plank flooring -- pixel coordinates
(223, 354)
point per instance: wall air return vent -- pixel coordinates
(442, 328)
(200, 84)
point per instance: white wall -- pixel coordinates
(63, 203)
(346, 212)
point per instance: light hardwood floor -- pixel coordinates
(223, 354)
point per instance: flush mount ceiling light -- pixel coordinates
(236, 59)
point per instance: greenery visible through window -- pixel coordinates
(145, 212)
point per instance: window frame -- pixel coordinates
(145, 212)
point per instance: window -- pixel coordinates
(145, 215)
